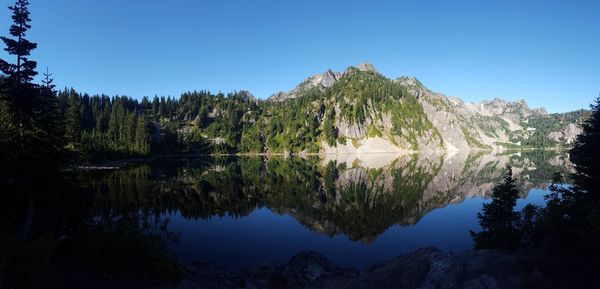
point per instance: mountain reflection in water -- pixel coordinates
(221, 204)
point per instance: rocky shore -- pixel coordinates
(426, 268)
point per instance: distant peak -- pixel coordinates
(329, 72)
(246, 95)
(408, 80)
(366, 66)
(321, 81)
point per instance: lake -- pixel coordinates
(356, 210)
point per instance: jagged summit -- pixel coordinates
(246, 95)
(408, 81)
(329, 77)
(321, 81)
(366, 66)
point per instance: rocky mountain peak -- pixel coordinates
(246, 95)
(408, 81)
(499, 106)
(363, 67)
(366, 66)
(324, 80)
(321, 81)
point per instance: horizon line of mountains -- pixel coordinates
(355, 111)
(362, 111)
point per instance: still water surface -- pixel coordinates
(355, 210)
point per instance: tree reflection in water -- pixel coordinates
(114, 225)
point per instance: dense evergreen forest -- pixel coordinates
(101, 127)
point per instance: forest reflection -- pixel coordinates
(332, 196)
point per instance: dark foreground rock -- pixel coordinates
(425, 268)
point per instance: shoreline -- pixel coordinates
(123, 163)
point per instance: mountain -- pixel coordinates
(372, 113)
(362, 111)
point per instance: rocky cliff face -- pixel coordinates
(376, 114)
(492, 124)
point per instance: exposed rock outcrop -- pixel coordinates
(567, 135)
(320, 81)
(426, 268)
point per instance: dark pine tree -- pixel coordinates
(155, 105)
(162, 108)
(571, 220)
(36, 145)
(73, 119)
(585, 155)
(50, 121)
(24, 70)
(498, 220)
(142, 136)
(48, 81)
(329, 128)
(8, 141)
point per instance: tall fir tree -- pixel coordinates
(130, 130)
(36, 146)
(24, 70)
(329, 128)
(142, 136)
(162, 108)
(73, 119)
(498, 219)
(585, 155)
(48, 81)
(155, 105)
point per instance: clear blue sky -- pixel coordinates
(547, 52)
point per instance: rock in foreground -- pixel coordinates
(425, 268)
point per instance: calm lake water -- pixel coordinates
(355, 210)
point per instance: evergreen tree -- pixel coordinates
(73, 119)
(130, 132)
(116, 124)
(36, 145)
(155, 105)
(24, 70)
(329, 129)
(202, 118)
(48, 81)
(162, 108)
(145, 104)
(142, 136)
(498, 220)
(585, 155)
(50, 122)
(8, 131)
